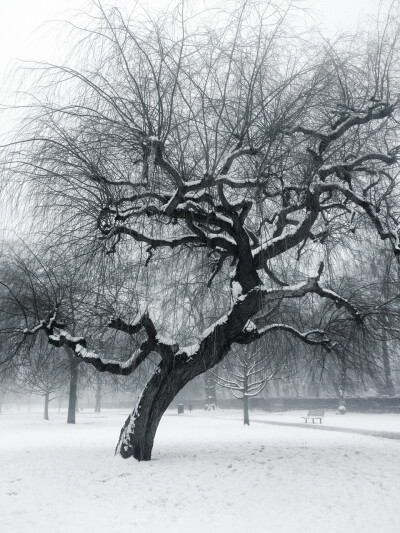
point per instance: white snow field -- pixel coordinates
(208, 475)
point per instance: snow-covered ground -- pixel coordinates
(208, 474)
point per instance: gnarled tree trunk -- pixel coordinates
(137, 436)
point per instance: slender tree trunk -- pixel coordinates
(342, 401)
(46, 406)
(246, 418)
(211, 396)
(388, 388)
(99, 386)
(60, 399)
(73, 386)
(209, 382)
(342, 387)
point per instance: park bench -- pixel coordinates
(314, 414)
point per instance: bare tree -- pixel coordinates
(227, 139)
(248, 370)
(42, 372)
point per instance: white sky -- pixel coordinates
(24, 34)
(22, 37)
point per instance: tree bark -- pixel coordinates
(46, 406)
(73, 386)
(137, 435)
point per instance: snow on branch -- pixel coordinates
(313, 337)
(58, 336)
(142, 321)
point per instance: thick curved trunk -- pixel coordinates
(172, 374)
(138, 433)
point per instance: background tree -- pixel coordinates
(7, 379)
(248, 370)
(42, 372)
